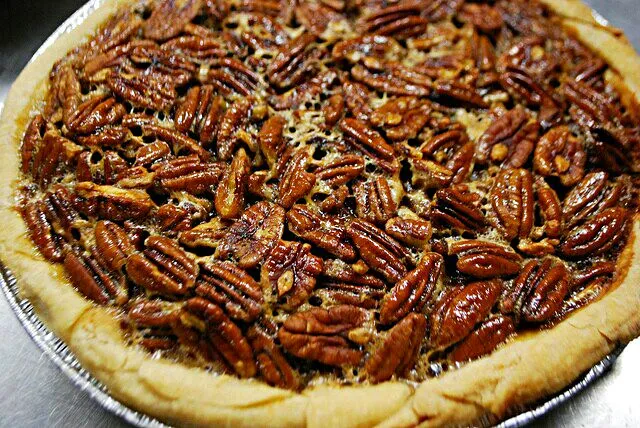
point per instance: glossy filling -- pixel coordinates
(344, 191)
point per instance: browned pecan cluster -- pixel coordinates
(353, 190)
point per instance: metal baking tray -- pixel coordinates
(60, 354)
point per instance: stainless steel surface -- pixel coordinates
(34, 392)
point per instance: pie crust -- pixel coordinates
(527, 369)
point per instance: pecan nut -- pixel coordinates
(163, 267)
(225, 336)
(459, 208)
(381, 252)
(113, 243)
(294, 62)
(538, 292)
(412, 231)
(188, 174)
(200, 112)
(484, 339)
(272, 365)
(509, 140)
(114, 203)
(558, 153)
(340, 171)
(295, 181)
(168, 18)
(291, 271)
(377, 200)
(253, 235)
(94, 279)
(460, 309)
(229, 199)
(399, 350)
(593, 194)
(324, 335)
(597, 235)
(341, 284)
(512, 200)
(482, 259)
(413, 291)
(326, 232)
(230, 288)
(370, 142)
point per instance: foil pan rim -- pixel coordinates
(65, 360)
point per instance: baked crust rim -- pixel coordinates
(488, 388)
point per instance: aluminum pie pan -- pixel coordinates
(66, 361)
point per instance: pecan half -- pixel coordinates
(412, 231)
(94, 113)
(333, 110)
(325, 232)
(225, 336)
(113, 203)
(341, 284)
(230, 76)
(355, 49)
(413, 291)
(591, 196)
(512, 200)
(291, 271)
(391, 77)
(356, 97)
(295, 181)
(143, 91)
(558, 153)
(482, 259)
(447, 158)
(402, 20)
(200, 112)
(294, 62)
(402, 118)
(113, 244)
(482, 16)
(230, 288)
(41, 231)
(459, 208)
(163, 267)
(205, 235)
(168, 18)
(94, 279)
(341, 170)
(459, 94)
(271, 139)
(484, 339)
(377, 200)
(189, 174)
(538, 292)
(509, 140)
(229, 199)
(460, 309)
(231, 129)
(381, 252)
(597, 235)
(253, 235)
(151, 153)
(324, 335)
(272, 365)
(398, 352)
(370, 142)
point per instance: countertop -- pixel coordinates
(34, 393)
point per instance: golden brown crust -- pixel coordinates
(509, 378)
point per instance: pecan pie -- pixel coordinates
(350, 212)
